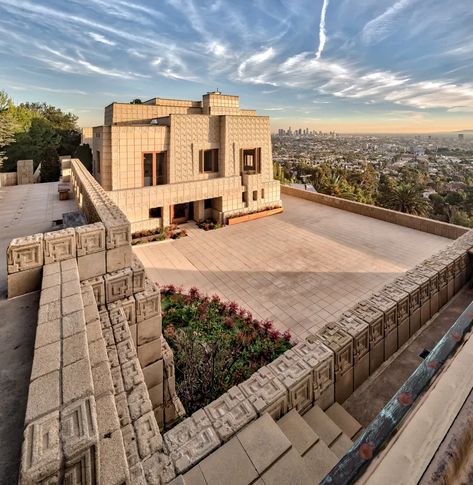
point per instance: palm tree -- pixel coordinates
(407, 198)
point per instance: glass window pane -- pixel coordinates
(148, 169)
(208, 166)
(160, 168)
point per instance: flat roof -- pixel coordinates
(300, 269)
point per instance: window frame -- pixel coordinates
(256, 158)
(214, 160)
(154, 167)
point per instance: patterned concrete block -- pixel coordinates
(297, 377)
(59, 245)
(266, 393)
(25, 253)
(148, 302)
(230, 412)
(158, 468)
(138, 402)
(90, 239)
(131, 448)
(41, 451)
(148, 437)
(118, 285)
(132, 374)
(138, 274)
(191, 440)
(98, 287)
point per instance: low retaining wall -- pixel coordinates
(423, 224)
(7, 179)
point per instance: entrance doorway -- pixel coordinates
(182, 213)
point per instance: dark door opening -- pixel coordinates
(182, 213)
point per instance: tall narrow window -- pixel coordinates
(160, 168)
(98, 161)
(147, 169)
(208, 161)
(251, 160)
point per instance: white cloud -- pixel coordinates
(100, 38)
(322, 33)
(381, 26)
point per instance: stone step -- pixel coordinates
(318, 461)
(341, 445)
(343, 419)
(299, 433)
(322, 425)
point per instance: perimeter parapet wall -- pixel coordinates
(423, 224)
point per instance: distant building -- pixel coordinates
(168, 161)
(461, 136)
(86, 136)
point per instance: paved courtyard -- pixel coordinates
(300, 269)
(24, 210)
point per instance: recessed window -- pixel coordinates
(154, 168)
(208, 161)
(251, 160)
(255, 195)
(98, 161)
(155, 212)
(207, 203)
(262, 193)
(244, 196)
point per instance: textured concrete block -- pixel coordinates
(118, 285)
(132, 374)
(121, 403)
(43, 396)
(114, 469)
(297, 377)
(230, 412)
(138, 274)
(59, 245)
(98, 287)
(75, 348)
(46, 359)
(138, 402)
(266, 393)
(126, 351)
(149, 353)
(24, 282)
(149, 329)
(118, 258)
(41, 450)
(47, 333)
(107, 418)
(25, 253)
(148, 437)
(158, 468)
(131, 448)
(191, 440)
(148, 302)
(90, 239)
(153, 374)
(77, 381)
(91, 265)
(156, 396)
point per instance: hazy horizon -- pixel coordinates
(351, 66)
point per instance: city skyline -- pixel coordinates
(350, 66)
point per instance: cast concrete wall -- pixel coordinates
(8, 178)
(438, 228)
(24, 170)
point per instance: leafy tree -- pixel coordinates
(136, 101)
(50, 166)
(32, 144)
(84, 154)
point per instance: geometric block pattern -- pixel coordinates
(341, 343)
(191, 440)
(25, 253)
(118, 285)
(148, 302)
(90, 238)
(359, 331)
(230, 412)
(266, 393)
(59, 245)
(298, 378)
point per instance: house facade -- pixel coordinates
(168, 161)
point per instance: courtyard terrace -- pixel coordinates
(300, 269)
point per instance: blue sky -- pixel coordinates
(347, 65)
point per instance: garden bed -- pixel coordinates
(151, 235)
(216, 344)
(254, 215)
(209, 225)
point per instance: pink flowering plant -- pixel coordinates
(216, 344)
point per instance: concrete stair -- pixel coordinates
(294, 450)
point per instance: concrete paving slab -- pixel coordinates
(301, 268)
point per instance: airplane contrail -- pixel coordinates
(322, 34)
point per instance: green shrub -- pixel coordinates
(216, 345)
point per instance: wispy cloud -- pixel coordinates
(100, 38)
(381, 26)
(322, 33)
